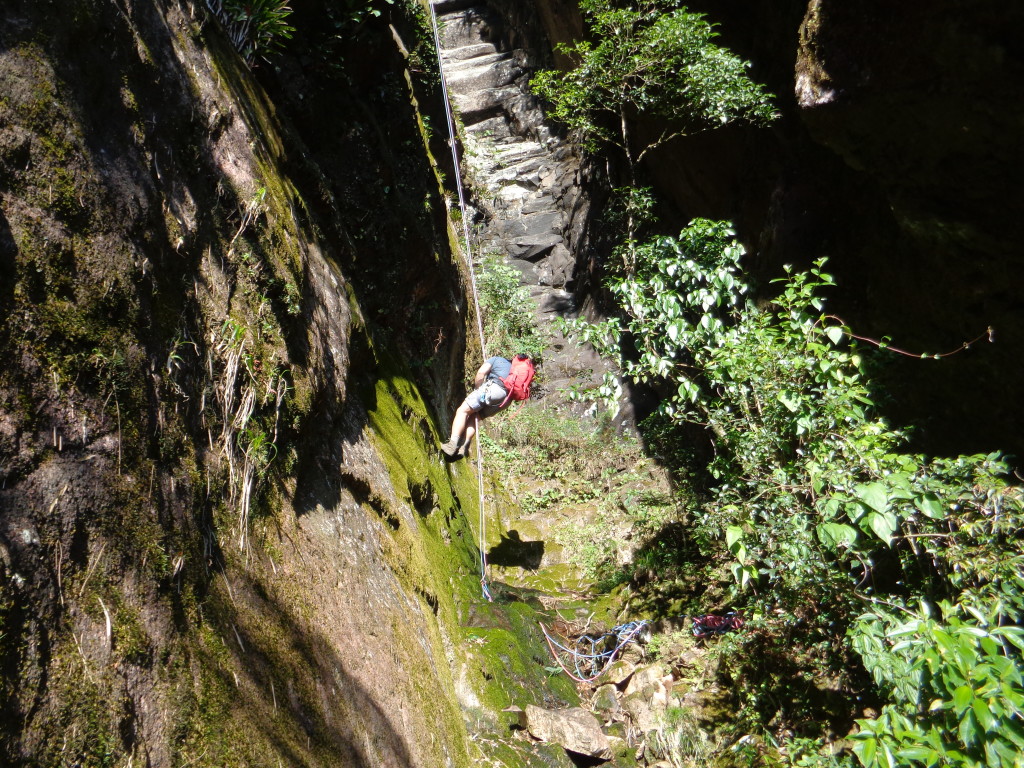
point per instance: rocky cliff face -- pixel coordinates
(226, 534)
(922, 104)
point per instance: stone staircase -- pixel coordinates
(524, 180)
(527, 183)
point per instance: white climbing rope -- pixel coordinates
(476, 300)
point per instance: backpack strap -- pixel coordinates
(508, 396)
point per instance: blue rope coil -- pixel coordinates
(593, 655)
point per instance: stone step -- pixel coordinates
(460, 30)
(495, 175)
(482, 61)
(534, 229)
(473, 51)
(514, 193)
(481, 105)
(518, 150)
(441, 7)
(522, 176)
(482, 78)
(541, 203)
(492, 129)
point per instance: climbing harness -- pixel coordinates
(591, 655)
(711, 624)
(472, 282)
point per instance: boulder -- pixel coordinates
(575, 729)
(558, 266)
(645, 713)
(534, 225)
(606, 699)
(648, 676)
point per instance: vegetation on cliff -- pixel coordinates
(895, 574)
(228, 537)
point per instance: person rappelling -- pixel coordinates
(498, 382)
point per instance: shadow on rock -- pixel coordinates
(513, 552)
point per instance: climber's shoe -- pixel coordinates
(450, 449)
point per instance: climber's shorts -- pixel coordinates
(490, 394)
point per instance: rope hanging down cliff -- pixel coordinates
(472, 283)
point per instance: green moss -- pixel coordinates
(80, 727)
(129, 638)
(10, 653)
(201, 696)
(504, 655)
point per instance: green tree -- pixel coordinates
(651, 58)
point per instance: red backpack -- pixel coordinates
(518, 381)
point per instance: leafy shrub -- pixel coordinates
(818, 508)
(957, 688)
(255, 27)
(509, 324)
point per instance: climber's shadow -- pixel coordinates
(512, 551)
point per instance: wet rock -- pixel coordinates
(575, 729)
(606, 699)
(648, 676)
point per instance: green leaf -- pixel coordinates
(865, 750)
(1014, 634)
(733, 534)
(835, 334)
(983, 714)
(874, 495)
(790, 400)
(899, 486)
(919, 754)
(930, 506)
(1013, 731)
(886, 759)
(829, 509)
(883, 526)
(740, 573)
(1009, 756)
(836, 535)
(740, 552)
(962, 698)
(855, 510)
(968, 729)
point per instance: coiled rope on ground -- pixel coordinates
(591, 656)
